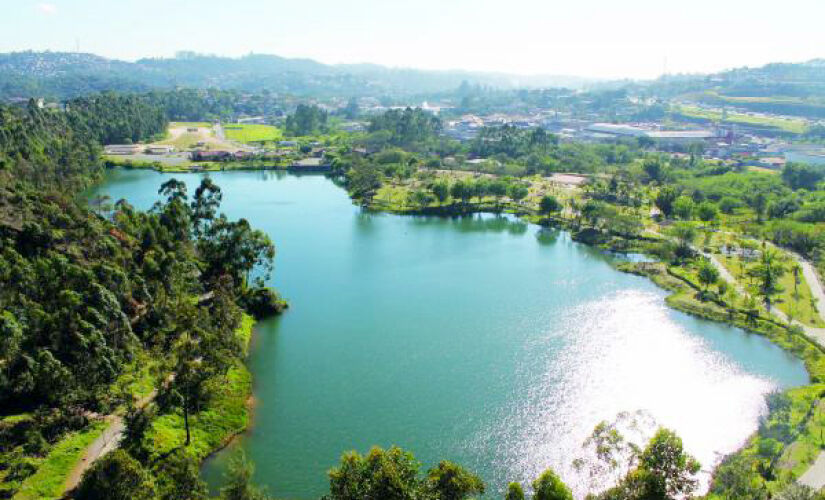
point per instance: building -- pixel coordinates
(259, 120)
(311, 165)
(159, 150)
(612, 131)
(122, 149)
(211, 155)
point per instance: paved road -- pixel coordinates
(219, 132)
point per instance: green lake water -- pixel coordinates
(481, 340)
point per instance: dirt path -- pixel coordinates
(108, 441)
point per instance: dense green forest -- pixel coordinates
(101, 305)
(47, 147)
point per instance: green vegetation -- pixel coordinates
(103, 309)
(106, 307)
(246, 133)
(307, 120)
(795, 126)
(50, 478)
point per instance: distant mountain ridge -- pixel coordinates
(62, 75)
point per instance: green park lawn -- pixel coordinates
(796, 126)
(248, 132)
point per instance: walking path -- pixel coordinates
(108, 441)
(815, 476)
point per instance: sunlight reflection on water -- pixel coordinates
(611, 362)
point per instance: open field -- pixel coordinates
(182, 136)
(796, 126)
(248, 132)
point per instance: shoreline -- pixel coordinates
(680, 298)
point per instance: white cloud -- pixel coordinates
(48, 9)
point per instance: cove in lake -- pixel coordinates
(483, 340)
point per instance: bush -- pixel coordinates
(263, 302)
(116, 476)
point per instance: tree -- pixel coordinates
(307, 120)
(116, 476)
(352, 109)
(420, 198)
(683, 207)
(549, 204)
(449, 481)
(758, 202)
(517, 192)
(655, 170)
(461, 190)
(235, 249)
(205, 205)
(707, 211)
(364, 180)
(441, 190)
(795, 491)
(390, 474)
(178, 478)
(796, 269)
(239, 481)
(802, 176)
(685, 233)
(769, 271)
(549, 486)
(514, 492)
(666, 470)
(138, 421)
(664, 200)
(728, 204)
(708, 274)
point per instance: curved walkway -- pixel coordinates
(108, 441)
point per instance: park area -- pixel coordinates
(249, 132)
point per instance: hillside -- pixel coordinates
(62, 75)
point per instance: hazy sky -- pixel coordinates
(598, 38)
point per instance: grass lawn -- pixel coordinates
(248, 132)
(227, 413)
(800, 309)
(184, 140)
(52, 472)
(796, 126)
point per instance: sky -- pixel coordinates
(590, 38)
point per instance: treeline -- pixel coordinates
(409, 128)
(48, 147)
(215, 104)
(97, 304)
(85, 296)
(306, 120)
(662, 470)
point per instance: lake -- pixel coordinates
(483, 340)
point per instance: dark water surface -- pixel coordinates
(482, 340)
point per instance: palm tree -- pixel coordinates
(768, 271)
(796, 269)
